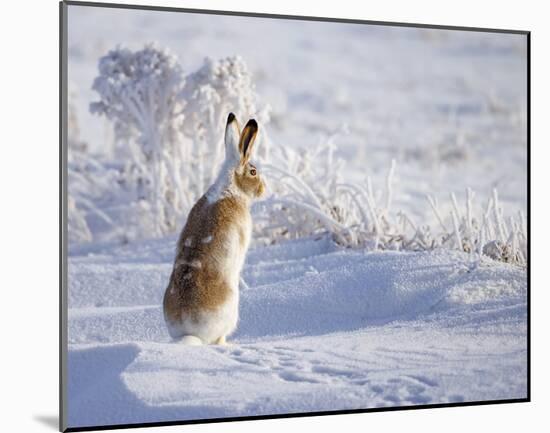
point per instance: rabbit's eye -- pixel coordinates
(253, 172)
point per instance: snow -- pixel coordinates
(320, 328)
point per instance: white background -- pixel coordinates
(29, 216)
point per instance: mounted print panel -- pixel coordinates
(279, 216)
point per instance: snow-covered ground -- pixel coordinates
(320, 329)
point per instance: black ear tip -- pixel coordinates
(230, 118)
(252, 124)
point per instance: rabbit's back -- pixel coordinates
(202, 295)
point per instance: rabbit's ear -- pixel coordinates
(246, 144)
(232, 134)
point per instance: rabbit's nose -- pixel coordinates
(261, 188)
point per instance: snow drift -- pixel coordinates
(320, 329)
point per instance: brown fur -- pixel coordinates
(251, 185)
(206, 288)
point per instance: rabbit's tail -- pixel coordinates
(191, 340)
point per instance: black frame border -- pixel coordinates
(63, 108)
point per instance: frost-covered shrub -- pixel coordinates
(139, 92)
(169, 127)
(77, 226)
(75, 143)
(306, 202)
(309, 197)
(302, 199)
(98, 190)
(77, 230)
(484, 232)
(217, 88)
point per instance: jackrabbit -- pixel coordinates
(201, 301)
